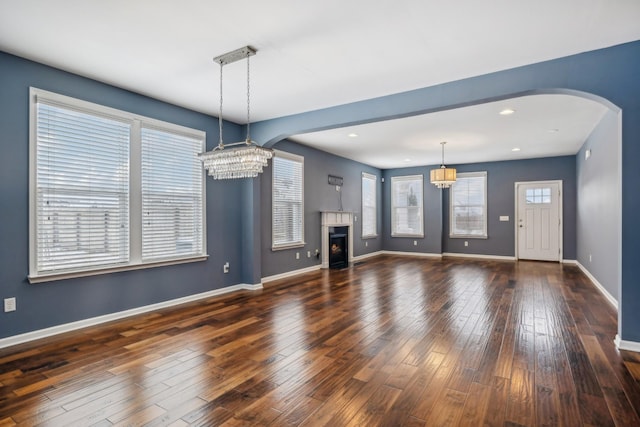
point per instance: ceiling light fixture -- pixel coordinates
(515, 149)
(353, 135)
(443, 177)
(246, 159)
(507, 112)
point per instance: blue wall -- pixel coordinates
(501, 178)
(236, 211)
(598, 211)
(431, 243)
(52, 303)
(319, 196)
(610, 74)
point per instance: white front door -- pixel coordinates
(538, 216)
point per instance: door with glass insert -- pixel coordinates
(538, 216)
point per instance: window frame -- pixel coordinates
(136, 122)
(294, 158)
(484, 235)
(374, 180)
(399, 179)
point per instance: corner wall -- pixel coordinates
(599, 204)
(501, 179)
(44, 305)
(318, 196)
(431, 243)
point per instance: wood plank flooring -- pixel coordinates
(391, 341)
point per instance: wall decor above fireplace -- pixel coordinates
(335, 180)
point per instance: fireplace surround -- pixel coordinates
(340, 225)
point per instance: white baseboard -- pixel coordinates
(366, 256)
(416, 254)
(479, 256)
(68, 327)
(290, 273)
(569, 261)
(598, 285)
(627, 345)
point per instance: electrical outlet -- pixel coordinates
(589, 257)
(297, 255)
(415, 243)
(466, 243)
(225, 267)
(9, 304)
(366, 244)
(308, 254)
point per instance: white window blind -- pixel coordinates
(288, 200)
(171, 195)
(110, 190)
(369, 209)
(407, 206)
(82, 189)
(468, 214)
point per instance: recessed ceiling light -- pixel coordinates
(353, 135)
(554, 130)
(407, 160)
(507, 112)
(515, 149)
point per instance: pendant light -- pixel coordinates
(244, 159)
(443, 177)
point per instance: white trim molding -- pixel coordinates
(80, 324)
(416, 254)
(598, 285)
(290, 274)
(479, 256)
(366, 256)
(627, 345)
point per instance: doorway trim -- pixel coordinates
(517, 215)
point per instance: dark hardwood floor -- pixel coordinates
(391, 341)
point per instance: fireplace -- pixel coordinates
(337, 239)
(338, 247)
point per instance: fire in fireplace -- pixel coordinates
(338, 247)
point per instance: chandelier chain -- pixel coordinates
(220, 143)
(248, 101)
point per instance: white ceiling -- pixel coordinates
(313, 55)
(541, 126)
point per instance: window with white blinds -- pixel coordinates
(407, 206)
(369, 209)
(287, 200)
(468, 197)
(171, 195)
(110, 190)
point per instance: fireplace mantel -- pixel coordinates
(335, 219)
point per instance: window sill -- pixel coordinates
(291, 246)
(370, 236)
(460, 236)
(75, 274)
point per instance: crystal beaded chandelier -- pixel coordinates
(245, 159)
